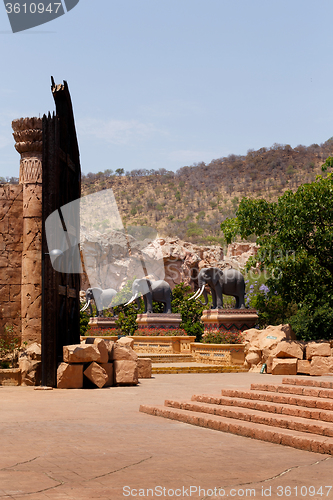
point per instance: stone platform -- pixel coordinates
(159, 320)
(229, 320)
(103, 323)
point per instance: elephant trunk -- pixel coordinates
(205, 297)
(138, 303)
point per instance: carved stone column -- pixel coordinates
(28, 136)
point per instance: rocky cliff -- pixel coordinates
(112, 259)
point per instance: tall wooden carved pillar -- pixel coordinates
(28, 137)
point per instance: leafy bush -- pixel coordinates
(9, 343)
(84, 323)
(220, 337)
(165, 332)
(190, 310)
(103, 332)
(313, 323)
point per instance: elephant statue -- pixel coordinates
(102, 298)
(152, 291)
(227, 282)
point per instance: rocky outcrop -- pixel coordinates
(113, 258)
(276, 350)
(30, 364)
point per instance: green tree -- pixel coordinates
(120, 171)
(295, 236)
(190, 310)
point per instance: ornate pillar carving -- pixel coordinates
(29, 143)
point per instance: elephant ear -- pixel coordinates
(97, 292)
(216, 275)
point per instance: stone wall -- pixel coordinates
(11, 242)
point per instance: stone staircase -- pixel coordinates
(185, 363)
(167, 358)
(296, 413)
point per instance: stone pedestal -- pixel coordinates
(158, 320)
(103, 323)
(229, 320)
(28, 135)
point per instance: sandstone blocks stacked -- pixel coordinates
(283, 355)
(99, 363)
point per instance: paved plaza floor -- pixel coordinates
(80, 444)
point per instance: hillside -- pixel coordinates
(192, 202)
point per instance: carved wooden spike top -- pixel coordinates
(28, 135)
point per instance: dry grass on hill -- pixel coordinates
(192, 202)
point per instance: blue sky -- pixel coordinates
(167, 83)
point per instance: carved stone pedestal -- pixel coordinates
(229, 320)
(159, 320)
(103, 323)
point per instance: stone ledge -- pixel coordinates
(10, 376)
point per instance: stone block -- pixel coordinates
(108, 367)
(11, 275)
(4, 293)
(269, 363)
(303, 366)
(318, 349)
(144, 367)
(3, 224)
(15, 293)
(69, 376)
(126, 342)
(284, 366)
(109, 345)
(10, 376)
(123, 353)
(289, 349)
(32, 234)
(81, 353)
(125, 372)
(320, 365)
(15, 226)
(31, 267)
(96, 374)
(253, 357)
(102, 347)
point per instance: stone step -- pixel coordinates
(167, 358)
(198, 369)
(288, 437)
(270, 407)
(309, 381)
(315, 392)
(257, 416)
(273, 397)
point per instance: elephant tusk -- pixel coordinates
(194, 296)
(85, 307)
(132, 299)
(201, 292)
(197, 293)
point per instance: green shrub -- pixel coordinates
(9, 343)
(84, 323)
(313, 323)
(190, 310)
(221, 337)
